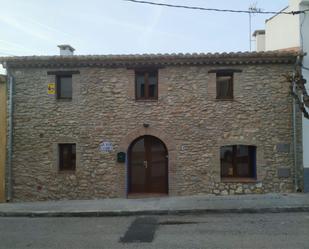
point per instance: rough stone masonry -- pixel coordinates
(187, 117)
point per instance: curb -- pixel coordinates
(153, 212)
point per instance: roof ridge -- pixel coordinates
(241, 53)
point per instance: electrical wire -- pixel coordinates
(218, 10)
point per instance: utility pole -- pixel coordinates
(252, 10)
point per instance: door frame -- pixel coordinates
(129, 166)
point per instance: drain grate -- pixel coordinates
(142, 229)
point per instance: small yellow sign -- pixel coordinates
(51, 88)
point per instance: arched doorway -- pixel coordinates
(148, 166)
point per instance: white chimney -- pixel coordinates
(259, 40)
(66, 50)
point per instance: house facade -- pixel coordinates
(145, 125)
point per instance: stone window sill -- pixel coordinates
(146, 100)
(62, 172)
(239, 180)
(229, 100)
(64, 99)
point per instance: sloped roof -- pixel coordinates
(258, 32)
(135, 60)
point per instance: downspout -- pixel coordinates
(295, 91)
(10, 138)
(295, 140)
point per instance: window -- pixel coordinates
(238, 161)
(146, 85)
(64, 86)
(224, 85)
(67, 157)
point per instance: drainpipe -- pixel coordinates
(10, 142)
(296, 183)
(295, 141)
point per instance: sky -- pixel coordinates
(36, 27)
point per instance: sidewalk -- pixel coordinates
(165, 205)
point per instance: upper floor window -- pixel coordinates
(238, 161)
(224, 85)
(146, 85)
(67, 157)
(63, 82)
(64, 86)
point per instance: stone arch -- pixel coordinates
(128, 139)
(170, 146)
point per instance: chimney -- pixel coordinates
(259, 40)
(66, 50)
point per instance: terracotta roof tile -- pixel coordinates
(151, 59)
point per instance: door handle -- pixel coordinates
(146, 164)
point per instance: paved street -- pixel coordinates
(277, 230)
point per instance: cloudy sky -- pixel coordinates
(36, 27)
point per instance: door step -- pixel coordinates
(145, 195)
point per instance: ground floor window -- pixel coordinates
(238, 161)
(67, 157)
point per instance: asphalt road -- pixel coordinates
(280, 230)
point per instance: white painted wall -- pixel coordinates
(282, 30)
(260, 42)
(2, 70)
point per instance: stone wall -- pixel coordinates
(187, 118)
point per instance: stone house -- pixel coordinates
(144, 125)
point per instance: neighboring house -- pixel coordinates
(291, 32)
(143, 125)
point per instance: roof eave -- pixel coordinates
(150, 60)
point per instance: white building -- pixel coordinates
(290, 32)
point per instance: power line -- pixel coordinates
(258, 11)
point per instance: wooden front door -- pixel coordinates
(148, 161)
